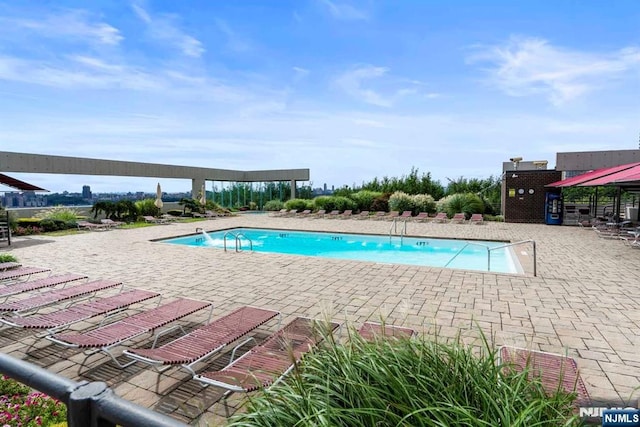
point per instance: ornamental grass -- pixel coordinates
(406, 382)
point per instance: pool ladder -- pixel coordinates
(238, 240)
(393, 230)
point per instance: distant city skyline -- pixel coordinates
(350, 89)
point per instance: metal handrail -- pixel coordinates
(463, 248)
(489, 249)
(239, 242)
(535, 260)
(394, 228)
(88, 403)
(224, 240)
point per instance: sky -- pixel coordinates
(351, 89)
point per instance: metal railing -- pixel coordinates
(393, 230)
(489, 249)
(5, 229)
(89, 404)
(238, 241)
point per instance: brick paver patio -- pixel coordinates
(581, 303)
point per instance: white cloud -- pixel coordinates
(164, 29)
(352, 83)
(373, 85)
(532, 66)
(344, 11)
(77, 25)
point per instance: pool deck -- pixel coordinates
(582, 302)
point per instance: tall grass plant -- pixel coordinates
(406, 382)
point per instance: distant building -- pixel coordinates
(86, 192)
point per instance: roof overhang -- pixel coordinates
(17, 184)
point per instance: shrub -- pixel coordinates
(342, 203)
(400, 201)
(424, 203)
(59, 213)
(147, 207)
(381, 203)
(364, 199)
(21, 407)
(273, 205)
(323, 202)
(407, 382)
(468, 203)
(297, 204)
(8, 258)
(49, 224)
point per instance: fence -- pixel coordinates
(89, 404)
(5, 228)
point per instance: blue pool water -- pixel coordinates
(461, 254)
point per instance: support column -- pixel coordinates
(196, 187)
(293, 188)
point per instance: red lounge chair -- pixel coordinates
(362, 215)
(392, 215)
(346, 214)
(332, 214)
(86, 225)
(407, 215)
(9, 265)
(269, 362)
(371, 331)
(421, 217)
(441, 217)
(111, 223)
(44, 299)
(458, 218)
(304, 213)
(104, 338)
(32, 285)
(476, 219)
(204, 341)
(59, 319)
(554, 370)
(281, 212)
(22, 272)
(379, 215)
(320, 214)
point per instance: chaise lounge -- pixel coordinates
(555, 371)
(205, 341)
(23, 273)
(60, 319)
(267, 363)
(104, 338)
(43, 299)
(32, 285)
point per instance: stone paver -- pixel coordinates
(581, 303)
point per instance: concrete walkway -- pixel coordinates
(582, 301)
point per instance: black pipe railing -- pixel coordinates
(88, 403)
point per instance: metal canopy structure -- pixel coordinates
(17, 184)
(622, 178)
(599, 174)
(625, 177)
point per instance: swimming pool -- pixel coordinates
(447, 253)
